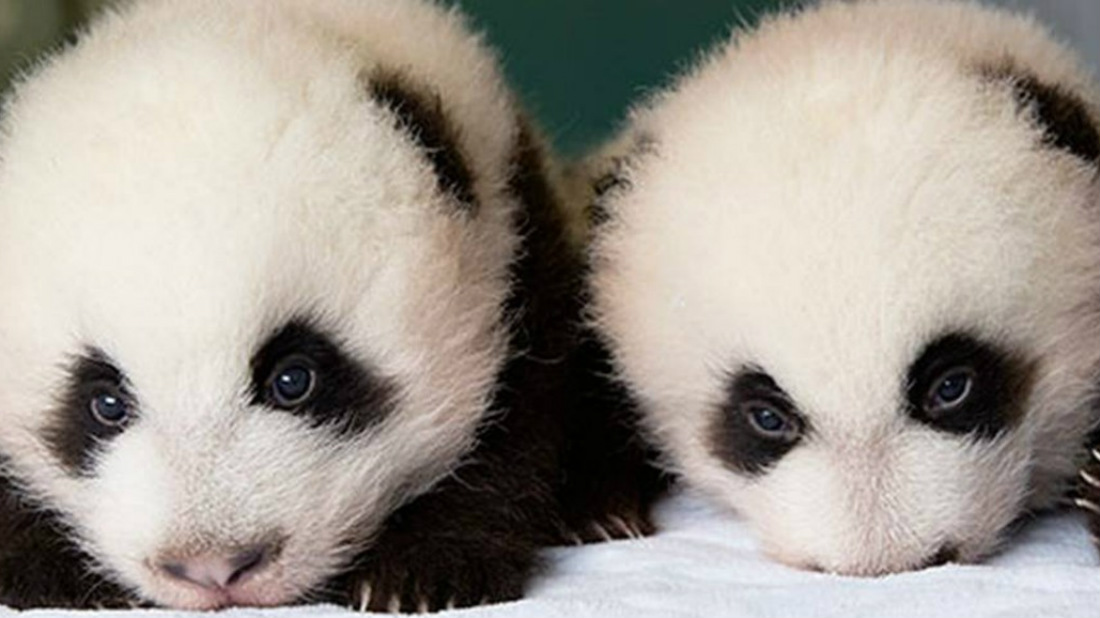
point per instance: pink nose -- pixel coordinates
(218, 571)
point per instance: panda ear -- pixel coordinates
(607, 172)
(419, 113)
(1063, 116)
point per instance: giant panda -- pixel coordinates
(288, 303)
(847, 270)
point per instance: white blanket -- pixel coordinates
(704, 563)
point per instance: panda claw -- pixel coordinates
(601, 531)
(394, 606)
(1090, 479)
(622, 526)
(617, 525)
(1095, 453)
(364, 596)
(1088, 505)
(422, 607)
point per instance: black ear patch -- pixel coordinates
(421, 115)
(73, 435)
(612, 179)
(1062, 115)
(347, 395)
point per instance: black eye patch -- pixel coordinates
(961, 385)
(757, 423)
(341, 392)
(77, 424)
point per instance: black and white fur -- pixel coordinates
(202, 200)
(848, 267)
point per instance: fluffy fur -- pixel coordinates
(198, 191)
(817, 217)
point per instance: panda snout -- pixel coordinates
(222, 577)
(215, 570)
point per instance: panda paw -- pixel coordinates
(430, 577)
(1088, 499)
(619, 508)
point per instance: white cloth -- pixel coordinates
(705, 563)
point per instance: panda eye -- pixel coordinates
(292, 382)
(950, 390)
(963, 385)
(757, 423)
(109, 407)
(771, 423)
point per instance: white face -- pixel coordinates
(241, 323)
(865, 318)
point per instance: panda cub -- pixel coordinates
(288, 303)
(847, 268)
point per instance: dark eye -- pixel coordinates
(108, 407)
(770, 423)
(292, 382)
(963, 385)
(950, 390)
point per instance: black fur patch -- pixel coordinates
(347, 395)
(998, 387)
(73, 434)
(733, 439)
(39, 565)
(422, 117)
(603, 471)
(1062, 115)
(610, 480)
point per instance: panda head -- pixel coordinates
(852, 279)
(252, 273)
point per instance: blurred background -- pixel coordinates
(577, 63)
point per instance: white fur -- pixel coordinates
(178, 185)
(822, 197)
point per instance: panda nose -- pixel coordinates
(215, 571)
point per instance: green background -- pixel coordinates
(578, 63)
